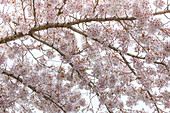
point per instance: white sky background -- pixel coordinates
(95, 101)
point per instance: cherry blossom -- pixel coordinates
(66, 56)
(159, 3)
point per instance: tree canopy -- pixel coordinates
(58, 55)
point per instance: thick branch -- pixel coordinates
(161, 12)
(55, 25)
(11, 38)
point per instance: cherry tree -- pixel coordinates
(53, 52)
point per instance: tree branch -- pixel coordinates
(33, 89)
(55, 25)
(114, 48)
(161, 12)
(90, 84)
(124, 59)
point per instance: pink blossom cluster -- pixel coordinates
(159, 3)
(77, 56)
